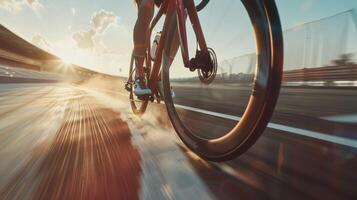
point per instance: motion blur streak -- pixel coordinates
(82, 141)
(79, 161)
(62, 141)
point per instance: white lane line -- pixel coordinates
(298, 131)
(207, 112)
(312, 134)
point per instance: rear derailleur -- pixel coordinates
(206, 65)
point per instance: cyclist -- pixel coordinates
(141, 40)
(141, 33)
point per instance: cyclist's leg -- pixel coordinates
(145, 15)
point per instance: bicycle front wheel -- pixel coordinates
(206, 116)
(138, 105)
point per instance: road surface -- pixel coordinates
(66, 141)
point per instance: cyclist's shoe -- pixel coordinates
(140, 89)
(160, 86)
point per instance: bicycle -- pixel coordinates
(265, 20)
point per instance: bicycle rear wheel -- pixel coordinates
(138, 106)
(261, 101)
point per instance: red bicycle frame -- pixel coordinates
(170, 6)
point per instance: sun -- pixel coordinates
(66, 61)
(68, 57)
(66, 51)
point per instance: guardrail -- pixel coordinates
(17, 52)
(326, 74)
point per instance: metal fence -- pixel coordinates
(321, 50)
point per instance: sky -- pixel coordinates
(98, 34)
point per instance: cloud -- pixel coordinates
(99, 23)
(40, 41)
(101, 20)
(11, 5)
(18, 5)
(85, 39)
(34, 4)
(103, 46)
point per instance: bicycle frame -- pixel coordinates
(170, 6)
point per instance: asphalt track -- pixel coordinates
(66, 141)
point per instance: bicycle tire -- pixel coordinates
(265, 19)
(137, 109)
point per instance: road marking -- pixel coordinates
(352, 118)
(312, 134)
(207, 112)
(298, 131)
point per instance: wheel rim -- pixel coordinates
(262, 100)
